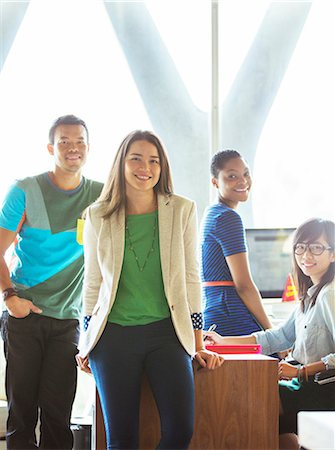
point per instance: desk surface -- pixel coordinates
(316, 429)
(247, 357)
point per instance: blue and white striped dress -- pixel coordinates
(222, 235)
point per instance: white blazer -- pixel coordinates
(104, 250)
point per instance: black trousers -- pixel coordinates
(41, 378)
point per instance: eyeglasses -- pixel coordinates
(314, 248)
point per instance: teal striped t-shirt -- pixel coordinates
(47, 262)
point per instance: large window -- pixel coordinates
(277, 63)
(127, 65)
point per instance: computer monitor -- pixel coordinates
(270, 257)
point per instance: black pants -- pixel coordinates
(41, 375)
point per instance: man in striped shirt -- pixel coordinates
(42, 289)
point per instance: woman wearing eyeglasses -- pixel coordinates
(309, 331)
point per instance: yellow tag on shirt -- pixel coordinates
(80, 229)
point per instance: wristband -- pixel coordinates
(306, 374)
(300, 369)
(9, 292)
(299, 374)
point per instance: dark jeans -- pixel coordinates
(118, 362)
(40, 374)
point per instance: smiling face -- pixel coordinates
(142, 167)
(70, 148)
(233, 182)
(315, 266)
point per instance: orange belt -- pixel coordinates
(218, 283)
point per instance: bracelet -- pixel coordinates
(325, 361)
(9, 292)
(299, 374)
(300, 369)
(306, 374)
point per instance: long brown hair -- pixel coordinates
(114, 191)
(309, 232)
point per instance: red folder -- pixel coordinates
(235, 349)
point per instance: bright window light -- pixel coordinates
(67, 59)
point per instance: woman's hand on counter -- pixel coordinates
(287, 371)
(209, 359)
(213, 338)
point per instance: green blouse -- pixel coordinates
(140, 297)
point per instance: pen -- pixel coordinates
(211, 328)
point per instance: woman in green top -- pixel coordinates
(142, 296)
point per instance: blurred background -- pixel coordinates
(253, 75)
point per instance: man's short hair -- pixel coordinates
(69, 119)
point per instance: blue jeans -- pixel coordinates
(118, 362)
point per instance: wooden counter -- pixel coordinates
(236, 408)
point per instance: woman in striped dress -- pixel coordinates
(230, 296)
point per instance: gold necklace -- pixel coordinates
(131, 247)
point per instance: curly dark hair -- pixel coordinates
(220, 159)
